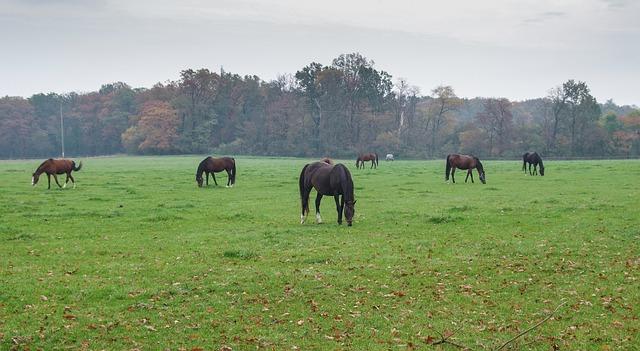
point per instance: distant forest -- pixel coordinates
(337, 110)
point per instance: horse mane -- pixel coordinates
(478, 163)
(201, 166)
(347, 184)
(42, 165)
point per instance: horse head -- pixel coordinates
(349, 211)
(541, 170)
(199, 179)
(34, 179)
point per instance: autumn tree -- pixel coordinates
(156, 130)
(439, 111)
(20, 136)
(497, 121)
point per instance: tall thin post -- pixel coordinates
(62, 129)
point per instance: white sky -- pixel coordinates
(493, 48)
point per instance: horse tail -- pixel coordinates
(233, 171)
(375, 153)
(447, 168)
(304, 200)
(73, 166)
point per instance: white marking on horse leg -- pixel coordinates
(65, 185)
(318, 218)
(33, 180)
(74, 185)
(302, 218)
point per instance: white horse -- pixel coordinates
(389, 157)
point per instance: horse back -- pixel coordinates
(56, 166)
(219, 164)
(317, 174)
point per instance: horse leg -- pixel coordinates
(305, 205)
(453, 177)
(213, 174)
(535, 169)
(207, 175)
(49, 180)
(530, 169)
(73, 180)
(66, 181)
(338, 208)
(318, 199)
(467, 177)
(55, 177)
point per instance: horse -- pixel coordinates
(373, 157)
(327, 160)
(54, 167)
(463, 162)
(210, 165)
(328, 180)
(532, 158)
(390, 157)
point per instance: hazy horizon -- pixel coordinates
(490, 49)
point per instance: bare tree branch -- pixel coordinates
(531, 328)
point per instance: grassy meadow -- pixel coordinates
(139, 257)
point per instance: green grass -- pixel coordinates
(138, 257)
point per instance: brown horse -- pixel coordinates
(54, 167)
(373, 157)
(211, 165)
(331, 181)
(464, 162)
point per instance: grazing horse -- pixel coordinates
(463, 162)
(54, 167)
(211, 165)
(390, 157)
(373, 157)
(328, 180)
(327, 160)
(532, 158)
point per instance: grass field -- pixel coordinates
(138, 257)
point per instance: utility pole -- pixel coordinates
(62, 129)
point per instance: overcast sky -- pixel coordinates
(492, 48)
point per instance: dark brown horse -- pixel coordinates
(464, 162)
(54, 167)
(331, 181)
(212, 165)
(373, 157)
(532, 158)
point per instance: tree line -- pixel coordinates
(338, 110)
